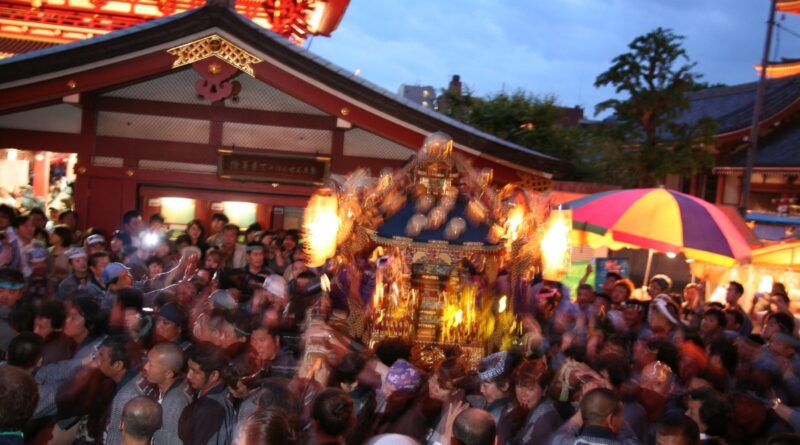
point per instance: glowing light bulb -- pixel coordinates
(502, 304)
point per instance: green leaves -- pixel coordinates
(643, 142)
(654, 78)
(519, 117)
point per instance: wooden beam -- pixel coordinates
(216, 128)
(85, 151)
(265, 200)
(775, 188)
(43, 140)
(136, 149)
(193, 182)
(216, 113)
(159, 150)
(84, 81)
(337, 149)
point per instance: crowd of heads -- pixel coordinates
(214, 334)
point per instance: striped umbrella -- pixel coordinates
(660, 219)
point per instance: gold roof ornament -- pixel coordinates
(214, 46)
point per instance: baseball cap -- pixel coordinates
(172, 313)
(112, 271)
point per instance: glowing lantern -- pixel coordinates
(321, 224)
(295, 19)
(502, 304)
(556, 248)
(515, 216)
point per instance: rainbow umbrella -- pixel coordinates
(659, 219)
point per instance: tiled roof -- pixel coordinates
(732, 107)
(779, 149)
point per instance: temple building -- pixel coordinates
(207, 110)
(774, 188)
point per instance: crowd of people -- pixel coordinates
(229, 338)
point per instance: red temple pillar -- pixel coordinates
(720, 189)
(41, 175)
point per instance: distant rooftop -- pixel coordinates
(732, 107)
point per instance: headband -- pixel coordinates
(663, 307)
(9, 285)
(495, 365)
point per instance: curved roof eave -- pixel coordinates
(37, 64)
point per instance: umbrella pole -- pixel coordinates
(647, 269)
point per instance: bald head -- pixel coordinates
(170, 356)
(141, 418)
(657, 377)
(474, 427)
(597, 405)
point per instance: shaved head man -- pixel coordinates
(164, 368)
(141, 418)
(164, 365)
(601, 410)
(474, 427)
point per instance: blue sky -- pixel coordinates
(554, 47)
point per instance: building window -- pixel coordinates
(240, 213)
(177, 210)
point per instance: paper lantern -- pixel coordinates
(555, 245)
(321, 224)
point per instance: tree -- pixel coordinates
(518, 117)
(654, 78)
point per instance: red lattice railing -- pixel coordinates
(76, 20)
